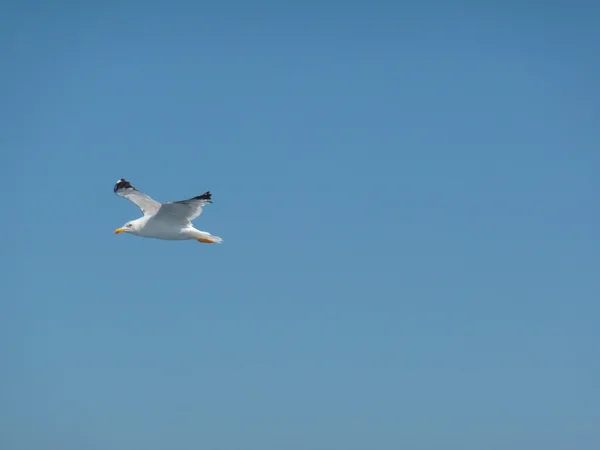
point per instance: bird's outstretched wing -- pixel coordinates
(148, 205)
(184, 210)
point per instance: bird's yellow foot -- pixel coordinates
(205, 241)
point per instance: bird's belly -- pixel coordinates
(159, 230)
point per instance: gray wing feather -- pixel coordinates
(148, 205)
(184, 210)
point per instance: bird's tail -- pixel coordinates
(207, 238)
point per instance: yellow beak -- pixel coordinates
(120, 230)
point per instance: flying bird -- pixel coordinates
(170, 220)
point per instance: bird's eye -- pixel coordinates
(128, 225)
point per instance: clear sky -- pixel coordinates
(408, 196)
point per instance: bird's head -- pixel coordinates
(129, 227)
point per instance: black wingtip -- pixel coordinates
(206, 196)
(122, 184)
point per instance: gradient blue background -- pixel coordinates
(408, 196)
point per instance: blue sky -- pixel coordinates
(408, 197)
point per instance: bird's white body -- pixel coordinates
(149, 228)
(169, 221)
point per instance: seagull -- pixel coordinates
(171, 220)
